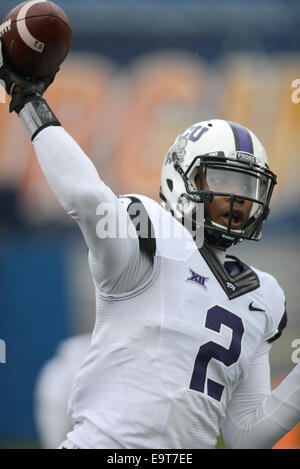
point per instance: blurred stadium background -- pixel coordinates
(139, 72)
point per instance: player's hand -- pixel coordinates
(21, 89)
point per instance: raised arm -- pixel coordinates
(116, 262)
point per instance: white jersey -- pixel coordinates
(180, 346)
(167, 356)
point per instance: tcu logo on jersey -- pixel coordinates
(231, 286)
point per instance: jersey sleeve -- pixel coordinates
(116, 262)
(257, 418)
(281, 326)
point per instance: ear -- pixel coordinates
(197, 181)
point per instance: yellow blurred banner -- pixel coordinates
(126, 118)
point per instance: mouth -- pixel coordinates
(236, 219)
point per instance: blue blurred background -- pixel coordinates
(138, 73)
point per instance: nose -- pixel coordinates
(236, 201)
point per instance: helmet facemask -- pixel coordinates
(238, 181)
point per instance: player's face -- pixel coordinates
(218, 209)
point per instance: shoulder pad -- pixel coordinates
(161, 233)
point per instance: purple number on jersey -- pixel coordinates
(216, 316)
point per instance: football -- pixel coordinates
(37, 38)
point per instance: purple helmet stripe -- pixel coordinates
(242, 137)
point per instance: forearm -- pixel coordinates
(265, 419)
(69, 172)
(76, 184)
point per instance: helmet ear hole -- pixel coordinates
(170, 184)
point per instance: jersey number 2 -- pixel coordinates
(216, 316)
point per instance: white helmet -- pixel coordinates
(234, 164)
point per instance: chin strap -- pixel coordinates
(214, 238)
(217, 240)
